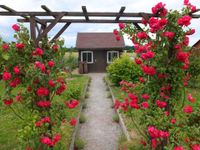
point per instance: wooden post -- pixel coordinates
(33, 30)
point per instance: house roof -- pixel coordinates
(98, 41)
(196, 43)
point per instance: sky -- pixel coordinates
(92, 5)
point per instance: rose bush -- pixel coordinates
(170, 118)
(37, 74)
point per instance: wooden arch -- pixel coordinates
(40, 27)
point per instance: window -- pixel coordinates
(87, 56)
(112, 55)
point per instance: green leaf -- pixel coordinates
(5, 56)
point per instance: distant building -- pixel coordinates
(97, 50)
(196, 48)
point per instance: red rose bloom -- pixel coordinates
(121, 25)
(173, 121)
(182, 56)
(190, 98)
(145, 96)
(16, 27)
(6, 76)
(169, 35)
(142, 35)
(159, 8)
(51, 83)
(188, 109)
(16, 70)
(44, 104)
(19, 45)
(51, 63)
(145, 104)
(38, 52)
(184, 21)
(118, 38)
(178, 148)
(149, 70)
(42, 68)
(5, 47)
(55, 47)
(161, 104)
(138, 61)
(196, 147)
(115, 32)
(71, 104)
(73, 122)
(42, 91)
(8, 102)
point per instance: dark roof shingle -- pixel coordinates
(98, 41)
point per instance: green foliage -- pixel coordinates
(71, 61)
(79, 143)
(123, 68)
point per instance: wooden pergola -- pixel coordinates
(41, 26)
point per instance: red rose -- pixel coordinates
(44, 104)
(118, 38)
(147, 55)
(56, 138)
(149, 70)
(190, 98)
(42, 68)
(144, 21)
(161, 104)
(6, 76)
(19, 45)
(38, 52)
(5, 47)
(169, 35)
(190, 32)
(196, 147)
(159, 8)
(138, 61)
(42, 91)
(142, 35)
(188, 109)
(16, 27)
(51, 63)
(37, 64)
(8, 102)
(73, 122)
(16, 81)
(72, 104)
(141, 79)
(115, 32)
(16, 70)
(186, 2)
(178, 148)
(145, 104)
(55, 47)
(173, 121)
(46, 141)
(184, 20)
(182, 56)
(51, 83)
(186, 41)
(121, 25)
(61, 89)
(154, 143)
(145, 96)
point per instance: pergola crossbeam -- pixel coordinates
(46, 9)
(120, 13)
(85, 13)
(61, 31)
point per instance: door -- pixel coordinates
(100, 61)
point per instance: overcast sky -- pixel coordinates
(92, 5)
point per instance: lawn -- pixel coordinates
(10, 124)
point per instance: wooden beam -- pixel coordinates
(33, 30)
(49, 27)
(120, 13)
(61, 31)
(47, 9)
(85, 13)
(146, 17)
(137, 26)
(84, 21)
(73, 14)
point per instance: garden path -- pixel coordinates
(99, 131)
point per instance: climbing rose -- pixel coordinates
(184, 20)
(145, 96)
(16, 70)
(196, 147)
(46, 141)
(56, 138)
(16, 81)
(8, 102)
(188, 109)
(121, 25)
(16, 27)
(115, 32)
(186, 41)
(182, 56)
(160, 7)
(71, 104)
(154, 143)
(186, 2)
(144, 21)
(141, 79)
(6, 76)
(51, 63)
(149, 70)
(178, 148)
(38, 52)
(142, 35)
(73, 122)
(19, 45)
(190, 32)
(173, 121)
(145, 104)
(61, 89)
(118, 38)
(138, 61)
(161, 104)
(42, 92)
(190, 98)
(169, 35)
(37, 64)
(42, 68)
(5, 47)
(44, 104)
(147, 55)
(51, 83)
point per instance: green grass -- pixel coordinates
(9, 123)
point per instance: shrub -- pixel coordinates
(115, 118)
(79, 143)
(71, 62)
(82, 119)
(123, 69)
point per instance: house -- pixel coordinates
(196, 48)
(97, 50)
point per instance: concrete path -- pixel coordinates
(99, 131)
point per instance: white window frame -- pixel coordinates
(91, 55)
(111, 55)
